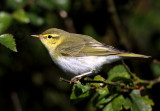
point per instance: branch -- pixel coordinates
(16, 101)
(137, 80)
(111, 83)
(117, 24)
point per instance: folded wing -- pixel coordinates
(81, 45)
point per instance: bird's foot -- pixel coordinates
(78, 77)
(75, 80)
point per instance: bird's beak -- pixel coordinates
(38, 36)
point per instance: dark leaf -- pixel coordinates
(118, 71)
(98, 78)
(8, 41)
(80, 92)
(5, 21)
(21, 16)
(127, 104)
(116, 104)
(155, 67)
(35, 19)
(139, 103)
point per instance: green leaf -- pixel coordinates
(55, 4)
(34, 19)
(8, 41)
(15, 4)
(103, 98)
(108, 102)
(48, 4)
(155, 69)
(118, 72)
(84, 88)
(5, 21)
(103, 91)
(127, 104)
(116, 104)
(147, 100)
(21, 16)
(63, 4)
(98, 78)
(80, 92)
(139, 103)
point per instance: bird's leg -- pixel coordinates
(65, 80)
(76, 78)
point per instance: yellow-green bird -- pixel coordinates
(79, 54)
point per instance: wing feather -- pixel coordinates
(82, 45)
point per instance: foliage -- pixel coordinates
(5, 20)
(112, 97)
(8, 41)
(29, 80)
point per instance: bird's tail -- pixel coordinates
(132, 55)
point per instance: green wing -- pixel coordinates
(69, 48)
(81, 45)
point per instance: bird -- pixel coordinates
(80, 55)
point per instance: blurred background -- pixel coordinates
(29, 80)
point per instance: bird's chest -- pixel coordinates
(79, 65)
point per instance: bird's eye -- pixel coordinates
(49, 36)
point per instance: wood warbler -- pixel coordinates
(80, 54)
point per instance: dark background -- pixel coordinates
(29, 80)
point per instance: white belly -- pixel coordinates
(80, 65)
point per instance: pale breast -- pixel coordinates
(80, 65)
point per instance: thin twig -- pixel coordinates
(117, 24)
(16, 101)
(149, 82)
(111, 83)
(65, 80)
(137, 80)
(129, 71)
